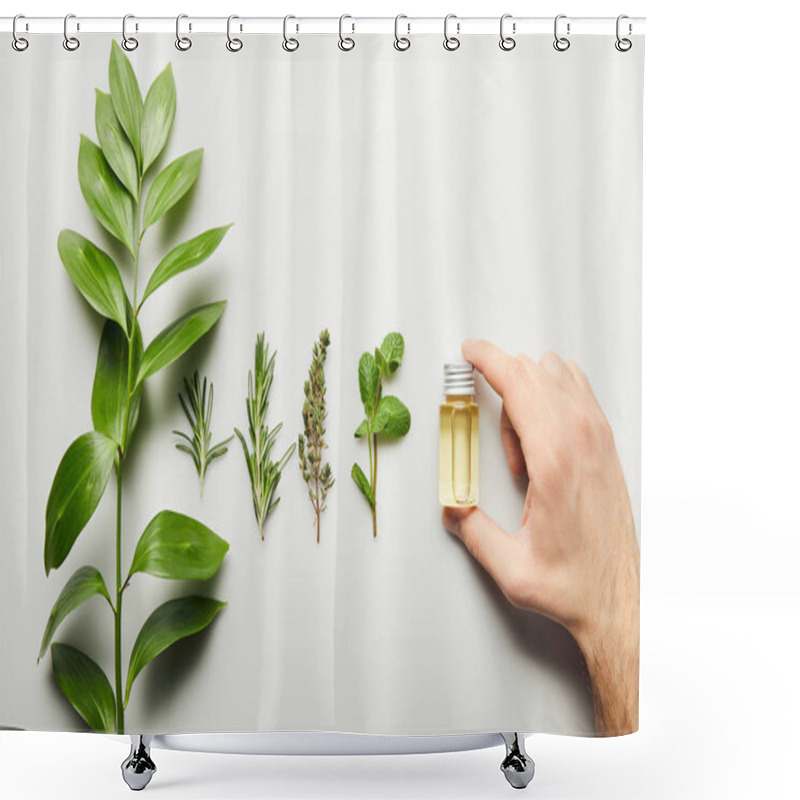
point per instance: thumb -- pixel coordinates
(494, 548)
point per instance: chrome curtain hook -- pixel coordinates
(71, 43)
(233, 44)
(183, 43)
(290, 44)
(19, 43)
(561, 43)
(401, 43)
(346, 43)
(128, 42)
(506, 42)
(623, 44)
(451, 42)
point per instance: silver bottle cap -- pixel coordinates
(459, 378)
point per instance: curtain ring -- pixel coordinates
(451, 42)
(561, 43)
(290, 44)
(71, 43)
(233, 44)
(506, 42)
(346, 43)
(401, 43)
(183, 43)
(128, 42)
(623, 44)
(19, 43)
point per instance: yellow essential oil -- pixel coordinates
(458, 437)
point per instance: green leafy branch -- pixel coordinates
(384, 414)
(132, 134)
(311, 443)
(197, 406)
(265, 474)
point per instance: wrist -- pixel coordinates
(610, 647)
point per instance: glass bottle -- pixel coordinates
(458, 437)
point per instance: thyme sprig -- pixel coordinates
(311, 443)
(265, 474)
(197, 405)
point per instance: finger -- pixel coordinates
(511, 445)
(491, 361)
(578, 375)
(495, 549)
(512, 378)
(583, 382)
(552, 364)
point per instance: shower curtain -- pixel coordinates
(384, 205)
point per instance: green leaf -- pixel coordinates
(159, 112)
(178, 337)
(79, 484)
(392, 349)
(126, 96)
(86, 687)
(171, 184)
(95, 275)
(381, 361)
(115, 145)
(185, 256)
(170, 622)
(361, 430)
(361, 481)
(110, 390)
(85, 583)
(107, 198)
(368, 377)
(393, 418)
(178, 547)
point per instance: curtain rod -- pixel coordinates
(328, 25)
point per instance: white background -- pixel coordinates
(719, 695)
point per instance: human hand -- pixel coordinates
(575, 557)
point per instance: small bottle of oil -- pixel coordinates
(458, 437)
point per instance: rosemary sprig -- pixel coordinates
(265, 474)
(197, 406)
(311, 442)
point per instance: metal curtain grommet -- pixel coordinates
(183, 43)
(71, 43)
(451, 42)
(19, 43)
(290, 44)
(623, 44)
(507, 42)
(233, 44)
(401, 43)
(346, 43)
(561, 43)
(128, 42)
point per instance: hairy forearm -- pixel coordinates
(611, 651)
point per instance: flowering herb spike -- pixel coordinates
(311, 443)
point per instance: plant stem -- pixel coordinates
(118, 610)
(121, 457)
(317, 506)
(375, 487)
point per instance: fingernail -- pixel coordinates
(451, 520)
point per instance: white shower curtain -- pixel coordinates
(441, 195)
